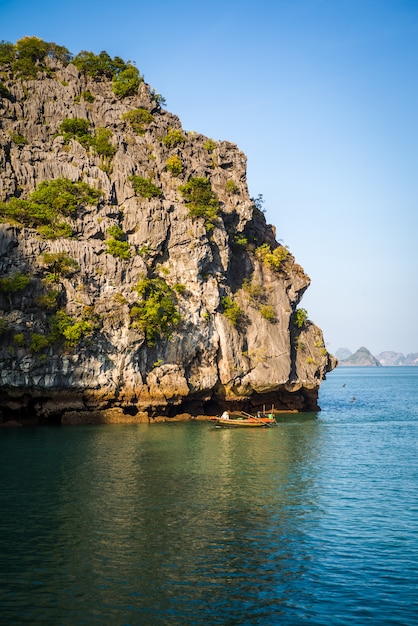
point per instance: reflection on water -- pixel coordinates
(184, 523)
(157, 520)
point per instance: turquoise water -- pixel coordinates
(313, 522)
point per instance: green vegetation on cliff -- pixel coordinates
(201, 200)
(48, 204)
(173, 138)
(117, 244)
(124, 75)
(28, 56)
(72, 330)
(79, 129)
(138, 119)
(231, 310)
(174, 165)
(144, 187)
(300, 317)
(59, 265)
(272, 258)
(13, 283)
(156, 313)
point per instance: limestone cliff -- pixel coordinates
(77, 276)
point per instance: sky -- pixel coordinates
(322, 97)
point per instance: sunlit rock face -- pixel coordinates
(232, 336)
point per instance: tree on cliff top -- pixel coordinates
(27, 56)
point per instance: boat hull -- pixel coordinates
(231, 423)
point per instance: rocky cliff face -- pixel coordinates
(78, 342)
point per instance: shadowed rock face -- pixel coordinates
(209, 360)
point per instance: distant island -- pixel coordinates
(364, 358)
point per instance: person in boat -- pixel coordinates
(225, 415)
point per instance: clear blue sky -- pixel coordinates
(322, 96)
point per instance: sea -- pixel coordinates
(313, 522)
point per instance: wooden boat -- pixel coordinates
(245, 420)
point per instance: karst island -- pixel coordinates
(139, 281)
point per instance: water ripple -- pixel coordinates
(313, 522)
